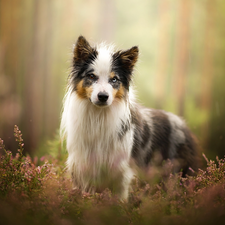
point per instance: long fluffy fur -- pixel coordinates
(103, 136)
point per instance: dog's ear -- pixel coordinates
(82, 50)
(127, 59)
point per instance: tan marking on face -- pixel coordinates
(89, 91)
(112, 74)
(119, 94)
(83, 92)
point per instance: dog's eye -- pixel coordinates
(114, 79)
(92, 76)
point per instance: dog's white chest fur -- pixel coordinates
(98, 157)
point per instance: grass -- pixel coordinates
(43, 194)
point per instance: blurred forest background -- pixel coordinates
(181, 66)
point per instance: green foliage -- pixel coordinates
(32, 194)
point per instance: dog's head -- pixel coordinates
(101, 75)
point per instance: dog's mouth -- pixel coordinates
(99, 104)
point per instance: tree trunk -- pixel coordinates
(182, 54)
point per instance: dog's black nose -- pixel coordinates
(103, 96)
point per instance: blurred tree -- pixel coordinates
(10, 109)
(215, 142)
(27, 65)
(182, 54)
(208, 64)
(163, 54)
(181, 66)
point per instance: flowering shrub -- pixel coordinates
(43, 194)
(20, 174)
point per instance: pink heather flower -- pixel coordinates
(1, 144)
(191, 170)
(205, 158)
(38, 170)
(42, 158)
(35, 160)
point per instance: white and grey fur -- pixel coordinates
(104, 136)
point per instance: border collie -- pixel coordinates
(106, 129)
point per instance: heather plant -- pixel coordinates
(19, 174)
(32, 193)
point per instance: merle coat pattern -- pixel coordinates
(105, 128)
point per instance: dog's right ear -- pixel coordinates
(82, 50)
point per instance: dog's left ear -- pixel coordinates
(127, 59)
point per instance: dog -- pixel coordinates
(106, 129)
